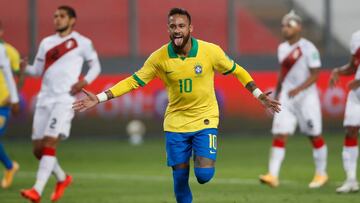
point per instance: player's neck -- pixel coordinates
(184, 52)
(65, 33)
(294, 40)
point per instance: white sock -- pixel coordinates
(350, 157)
(277, 155)
(59, 172)
(46, 166)
(320, 159)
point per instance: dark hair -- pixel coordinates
(179, 11)
(69, 10)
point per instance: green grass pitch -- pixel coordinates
(108, 170)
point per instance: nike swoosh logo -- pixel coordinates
(212, 152)
(168, 72)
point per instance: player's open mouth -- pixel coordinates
(178, 40)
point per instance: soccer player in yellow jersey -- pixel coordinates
(9, 61)
(187, 67)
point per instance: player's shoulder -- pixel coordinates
(356, 36)
(283, 45)
(81, 38)
(307, 45)
(208, 45)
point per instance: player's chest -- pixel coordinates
(57, 49)
(176, 69)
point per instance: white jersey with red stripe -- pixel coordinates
(355, 51)
(352, 110)
(60, 60)
(295, 60)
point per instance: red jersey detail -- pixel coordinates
(58, 51)
(357, 58)
(289, 61)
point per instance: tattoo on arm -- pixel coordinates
(109, 94)
(251, 86)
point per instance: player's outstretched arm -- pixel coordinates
(91, 100)
(271, 104)
(347, 69)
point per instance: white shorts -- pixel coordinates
(352, 110)
(304, 109)
(52, 120)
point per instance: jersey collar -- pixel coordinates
(192, 53)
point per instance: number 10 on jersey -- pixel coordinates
(185, 85)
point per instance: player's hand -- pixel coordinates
(24, 62)
(85, 103)
(334, 78)
(77, 87)
(271, 104)
(354, 84)
(294, 92)
(15, 108)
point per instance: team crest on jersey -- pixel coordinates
(198, 69)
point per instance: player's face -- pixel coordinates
(290, 29)
(179, 29)
(62, 21)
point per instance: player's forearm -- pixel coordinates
(347, 69)
(121, 88)
(124, 86)
(93, 72)
(309, 81)
(242, 75)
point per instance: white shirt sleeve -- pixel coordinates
(38, 67)
(92, 60)
(355, 43)
(312, 57)
(5, 67)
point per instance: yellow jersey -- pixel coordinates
(189, 82)
(14, 58)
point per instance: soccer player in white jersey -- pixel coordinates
(352, 116)
(59, 61)
(297, 92)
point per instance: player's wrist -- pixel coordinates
(257, 93)
(102, 97)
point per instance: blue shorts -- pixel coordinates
(179, 146)
(4, 117)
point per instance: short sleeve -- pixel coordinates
(312, 57)
(222, 62)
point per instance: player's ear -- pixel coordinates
(191, 28)
(72, 21)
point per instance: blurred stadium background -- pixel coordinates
(125, 32)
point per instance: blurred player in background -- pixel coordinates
(9, 101)
(351, 123)
(59, 61)
(14, 58)
(297, 92)
(187, 66)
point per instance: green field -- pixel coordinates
(108, 170)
